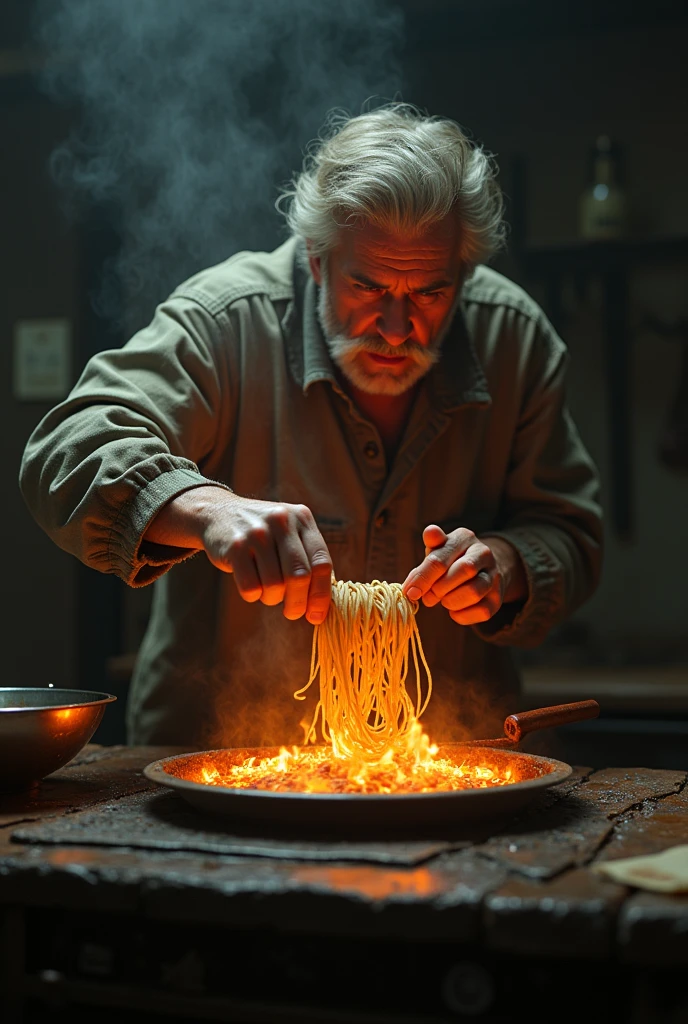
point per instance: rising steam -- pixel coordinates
(192, 112)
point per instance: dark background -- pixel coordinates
(535, 83)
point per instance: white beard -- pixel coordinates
(345, 351)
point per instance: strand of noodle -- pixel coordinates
(361, 655)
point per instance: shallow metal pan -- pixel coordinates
(385, 810)
(353, 810)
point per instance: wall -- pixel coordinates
(38, 279)
(545, 99)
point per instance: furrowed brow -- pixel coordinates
(367, 281)
(436, 286)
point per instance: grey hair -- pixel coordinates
(401, 170)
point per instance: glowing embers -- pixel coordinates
(317, 770)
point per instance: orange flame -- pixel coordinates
(415, 769)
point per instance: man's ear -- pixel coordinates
(314, 262)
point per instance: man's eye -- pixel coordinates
(427, 298)
(370, 288)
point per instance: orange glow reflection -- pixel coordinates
(64, 714)
(371, 882)
(63, 721)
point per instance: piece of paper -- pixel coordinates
(659, 872)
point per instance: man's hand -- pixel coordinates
(469, 576)
(274, 549)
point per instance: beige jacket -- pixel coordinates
(232, 382)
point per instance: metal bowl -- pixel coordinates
(42, 728)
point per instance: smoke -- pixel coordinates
(191, 113)
(462, 710)
(254, 703)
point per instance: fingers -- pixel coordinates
(307, 578)
(296, 567)
(320, 592)
(437, 560)
(320, 585)
(459, 571)
(277, 555)
(246, 575)
(257, 568)
(433, 537)
(476, 599)
(475, 560)
(296, 576)
(480, 612)
(470, 593)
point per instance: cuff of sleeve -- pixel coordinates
(526, 624)
(137, 562)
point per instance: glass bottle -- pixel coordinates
(602, 207)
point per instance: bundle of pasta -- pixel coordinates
(363, 654)
(374, 685)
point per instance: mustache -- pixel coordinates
(375, 345)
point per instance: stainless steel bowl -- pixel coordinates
(42, 728)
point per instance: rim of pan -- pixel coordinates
(155, 772)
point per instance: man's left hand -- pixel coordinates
(469, 576)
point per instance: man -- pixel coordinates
(368, 399)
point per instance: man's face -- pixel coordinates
(386, 303)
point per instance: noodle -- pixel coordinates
(362, 653)
(374, 685)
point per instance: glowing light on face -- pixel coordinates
(386, 304)
(411, 360)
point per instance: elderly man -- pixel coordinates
(367, 399)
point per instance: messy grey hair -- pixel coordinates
(401, 170)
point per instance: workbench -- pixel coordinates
(118, 902)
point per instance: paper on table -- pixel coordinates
(659, 872)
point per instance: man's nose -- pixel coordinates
(394, 324)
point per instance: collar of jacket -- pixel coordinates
(456, 379)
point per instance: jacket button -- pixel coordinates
(371, 450)
(381, 520)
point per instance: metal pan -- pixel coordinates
(393, 811)
(344, 810)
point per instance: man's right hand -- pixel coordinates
(274, 549)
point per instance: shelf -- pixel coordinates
(600, 256)
(651, 689)
(611, 262)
